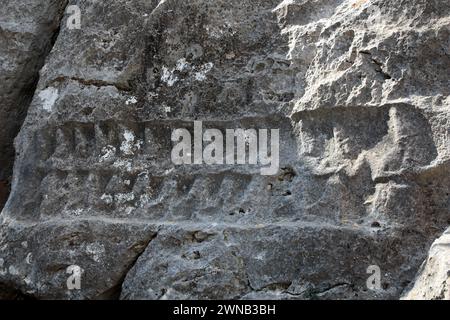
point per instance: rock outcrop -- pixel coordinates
(433, 280)
(27, 30)
(359, 90)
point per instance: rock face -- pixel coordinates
(359, 90)
(27, 30)
(433, 280)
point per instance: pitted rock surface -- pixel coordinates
(359, 90)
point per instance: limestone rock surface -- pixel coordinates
(359, 90)
(433, 279)
(27, 30)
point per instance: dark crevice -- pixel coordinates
(24, 99)
(378, 65)
(5, 188)
(334, 286)
(283, 288)
(379, 69)
(9, 292)
(115, 291)
(315, 293)
(91, 82)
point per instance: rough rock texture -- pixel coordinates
(27, 30)
(359, 90)
(433, 280)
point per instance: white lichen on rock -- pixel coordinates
(48, 97)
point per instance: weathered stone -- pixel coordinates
(359, 90)
(433, 279)
(27, 29)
